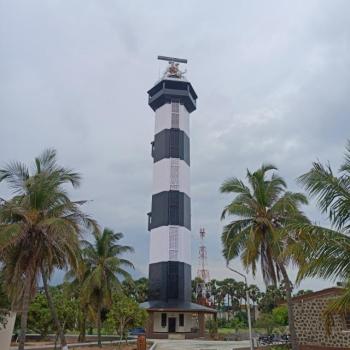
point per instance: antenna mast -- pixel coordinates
(203, 276)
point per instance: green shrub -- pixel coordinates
(267, 322)
(236, 324)
(281, 347)
(212, 326)
(223, 323)
(242, 317)
(280, 315)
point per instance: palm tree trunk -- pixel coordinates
(24, 314)
(288, 284)
(54, 312)
(82, 326)
(99, 343)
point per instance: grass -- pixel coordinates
(225, 331)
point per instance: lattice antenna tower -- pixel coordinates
(203, 271)
(203, 287)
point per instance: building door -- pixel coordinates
(172, 324)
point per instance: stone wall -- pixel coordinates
(309, 323)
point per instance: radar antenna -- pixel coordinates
(173, 70)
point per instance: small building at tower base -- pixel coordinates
(176, 320)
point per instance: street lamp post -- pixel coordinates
(248, 306)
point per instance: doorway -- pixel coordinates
(172, 325)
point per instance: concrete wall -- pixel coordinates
(310, 327)
(157, 325)
(6, 333)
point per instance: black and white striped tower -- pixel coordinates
(173, 99)
(169, 303)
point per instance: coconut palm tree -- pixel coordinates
(327, 250)
(261, 211)
(39, 229)
(104, 268)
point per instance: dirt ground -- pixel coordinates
(104, 347)
(108, 347)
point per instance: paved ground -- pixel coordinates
(200, 345)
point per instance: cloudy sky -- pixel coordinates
(272, 77)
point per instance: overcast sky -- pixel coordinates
(273, 80)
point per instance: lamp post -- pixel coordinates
(248, 306)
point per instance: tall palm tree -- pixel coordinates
(39, 229)
(104, 266)
(327, 251)
(261, 210)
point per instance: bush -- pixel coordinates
(236, 324)
(267, 322)
(242, 317)
(280, 315)
(212, 326)
(222, 323)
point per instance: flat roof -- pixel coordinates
(176, 306)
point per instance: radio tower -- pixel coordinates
(202, 288)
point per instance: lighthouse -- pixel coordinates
(169, 304)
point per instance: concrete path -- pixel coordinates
(167, 344)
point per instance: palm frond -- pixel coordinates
(15, 174)
(338, 307)
(234, 237)
(331, 192)
(345, 168)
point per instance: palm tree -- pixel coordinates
(254, 296)
(104, 267)
(214, 292)
(138, 289)
(39, 229)
(327, 251)
(142, 288)
(75, 278)
(261, 210)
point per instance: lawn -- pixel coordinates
(225, 331)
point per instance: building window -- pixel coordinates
(347, 321)
(181, 320)
(163, 321)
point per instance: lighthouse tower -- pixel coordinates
(169, 222)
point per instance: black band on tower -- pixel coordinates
(170, 280)
(167, 90)
(170, 208)
(171, 143)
